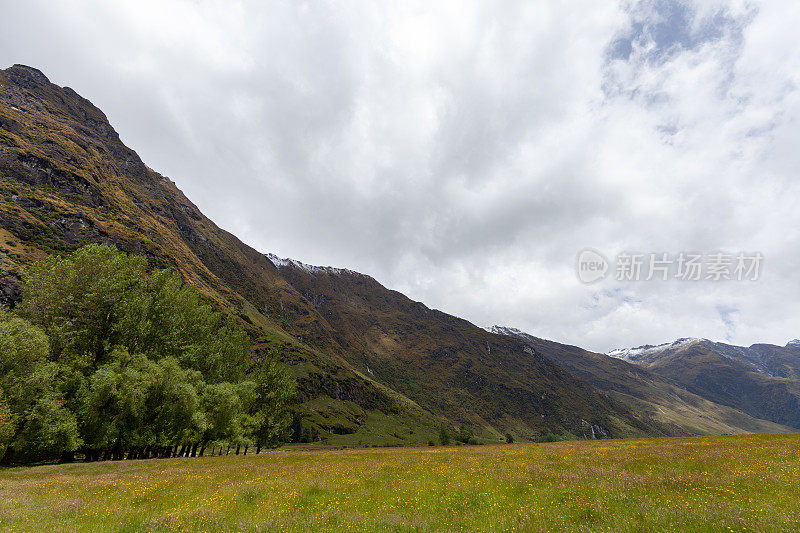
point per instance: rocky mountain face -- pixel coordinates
(449, 366)
(774, 361)
(373, 366)
(643, 390)
(762, 380)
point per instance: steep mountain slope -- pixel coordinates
(661, 398)
(761, 380)
(373, 366)
(450, 366)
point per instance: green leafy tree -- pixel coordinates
(97, 299)
(46, 427)
(273, 390)
(22, 348)
(464, 435)
(296, 427)
(135, 402)
(79, 299)
(172, 404)
(48, 430)
(105, 356)
(102, 411)
(444, 437)
(6, 424)
(223, 408)
(167, 319)
(35, 422)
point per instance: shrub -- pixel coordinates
(464, 435)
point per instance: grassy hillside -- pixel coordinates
(697, 484)
(731, 383)
(760, 381)
(447, 365)
(648, 392)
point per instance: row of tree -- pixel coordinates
(104, 359)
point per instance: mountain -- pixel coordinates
(373, 366)
(67, 180)
(762, 380)
(643, 390)
(449, 366)
(774, 361)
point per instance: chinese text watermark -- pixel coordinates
(683, 266)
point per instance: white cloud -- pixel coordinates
(465, 152)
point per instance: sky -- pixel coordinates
(465, 153)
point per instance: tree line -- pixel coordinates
(105, 360)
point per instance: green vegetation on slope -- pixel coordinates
(104, 359)
(705, 370)
(647, 392)
(492, 383)
(738, 483)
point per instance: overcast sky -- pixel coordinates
(465, 152)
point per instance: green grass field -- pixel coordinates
(742, 483)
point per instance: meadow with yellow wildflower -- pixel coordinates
(741, 483)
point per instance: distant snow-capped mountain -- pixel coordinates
(762, 380)
(660, 379)
(774, 361)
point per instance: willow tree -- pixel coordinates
(105, 356)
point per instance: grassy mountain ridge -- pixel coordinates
(373, 366)
(760, 380)
(666, 399)
(448, 365)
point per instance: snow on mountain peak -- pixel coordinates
(795, 343)
(504, 330)
(286, 262)
(640, 352)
